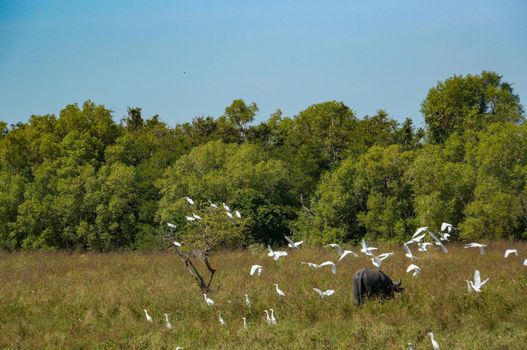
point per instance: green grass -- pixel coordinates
(75, 301)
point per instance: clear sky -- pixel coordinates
(187, 58)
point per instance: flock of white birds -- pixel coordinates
(418, 238)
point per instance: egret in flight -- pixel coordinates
(256, 268)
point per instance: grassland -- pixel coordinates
(59, 300)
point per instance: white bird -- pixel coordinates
(229, 214)
(226, 207)
(244, 323)
(435, 344)
(247, 301)
(213, 205)
(291, 244)
(477, 284)
(329, 263)
(190, 218)
(267, 318)
(511, 251)
(525, 262)
(167, 322)
(445, 226)
(222, 322)
(197, 217)
(171, 225)
(177, 244)
(384, 256)
(189, 200)
(468, 286)
(417, 239)
(408, 252)
(419, 230)
(148, 317)
(443, 236)
(208, 300)
(376, 262)
(365, 249)
(322, 294)
(410, 347)
(438, 242)
(279, 291)
(341, 252)
(238, 214)
(275, 254)
(477, 245)
(415, 269)
(256, 268)
(310, 264)
(423, 247)
(273, 319)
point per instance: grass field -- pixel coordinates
(64, 300)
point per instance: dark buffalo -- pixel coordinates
(373, 283)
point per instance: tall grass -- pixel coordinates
(61, 300)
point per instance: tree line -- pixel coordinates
(83, 181)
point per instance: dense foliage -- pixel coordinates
(81, 180)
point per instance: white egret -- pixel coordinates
(229, 214)
(310, 264)
(168, 325)
(435, 344)
(414, 269)
(275, 254)
(222, 321)
(197, 217)
(237, 213)
(384, 256)
(322, 294)
(256, 268)
(419, 230)
(477, 245)
(190, 218)
(510, 251)
(416, 239)
(329, 263)
(208, 300)
(341, 252)
(226, 207)
(445, 226)
(365, 249)
(189, 200)
(267, 318)
(438, 242)
(177, 244)
(171, 225)
(477, 284)
(213, 205)
(247, 301)
(279, 291)
(244, 323)
(376, 262)
(408, 252)
(148, 317)
(525, 262)
(423, 247)
(273, 319)
(291, 244)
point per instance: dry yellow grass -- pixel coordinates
(64, 301)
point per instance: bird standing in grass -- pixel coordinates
(244, 323)
(279, 291)
(435, 344)
(208, 300)
(247, 301)
(222, 322)
(273, 319)
(168, 325)
(148, 317)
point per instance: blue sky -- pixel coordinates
(187, 58)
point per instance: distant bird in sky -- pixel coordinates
(256, 268)
(168, 325)
(148, 317)
(435, 344)
(509, 252)
(279, 291)
(189, 200)
(291, 244)
(414, 269)
(477, 245)
(324, 294)
(208, 300)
